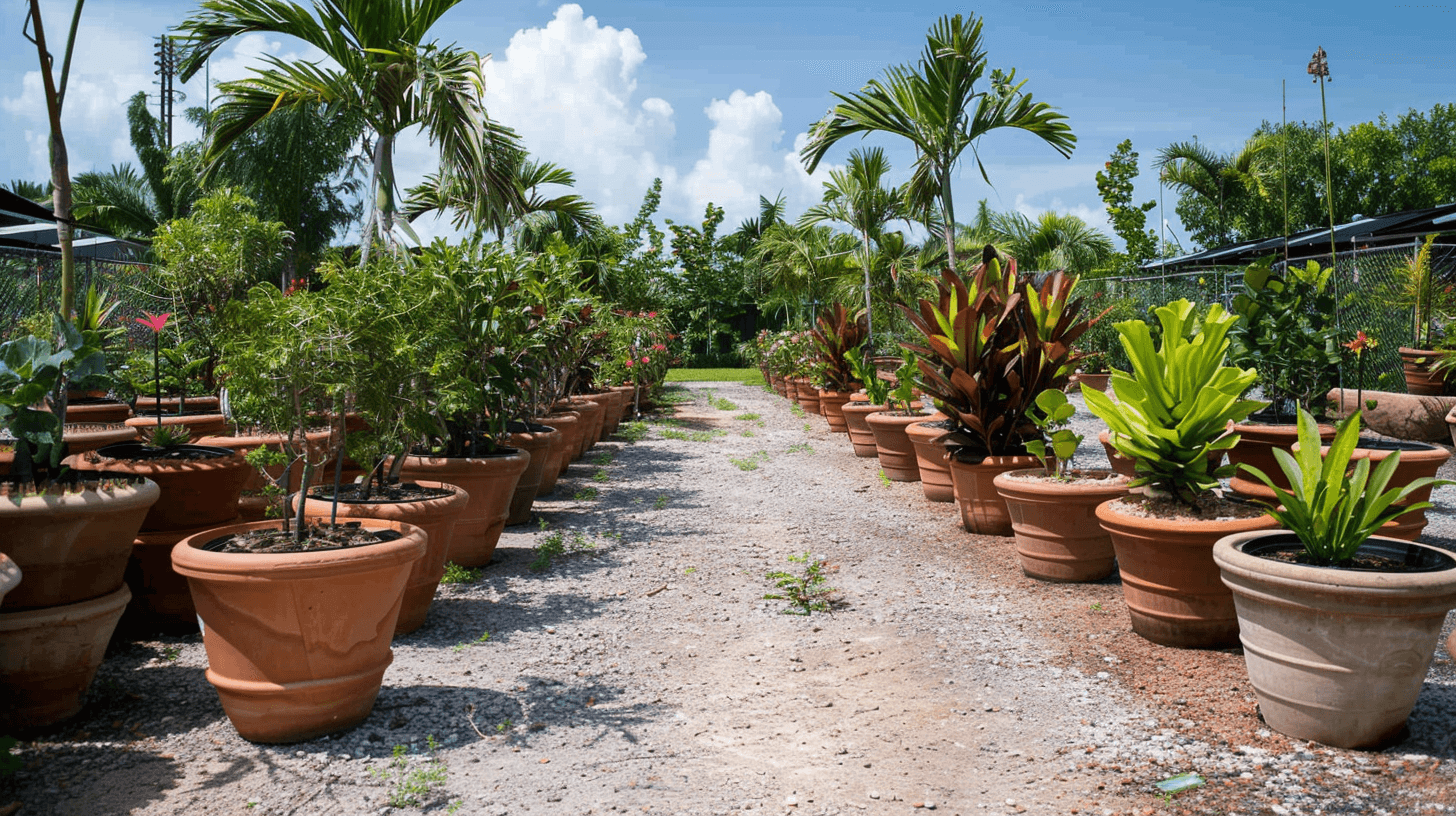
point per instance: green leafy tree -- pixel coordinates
(636, 276)
(936, 106)
(1115, 185)
(708, 290)
(386, 74)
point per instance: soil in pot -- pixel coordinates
(892, 445)
(1055, 522)
(200, 484)
(1174, 594)
(1337, 655)
(298, 642)
(434, 507)
(983, 510)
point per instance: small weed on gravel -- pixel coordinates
(632, 431)
(884, 480)
(661, 502)
(808, 428)
(797, 410)
(692, 436)
(751, 461)
(749, 417)
(722, 403)
(601, 475)
(411, 782)
(603, 459)
(747, 432)
(675, 396)
(802, 447)
(456, 574)
(586, 494)
(808, 590)
(462, 646)
(554, 545)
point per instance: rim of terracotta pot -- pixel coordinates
(190, 560)
(1436, 584)
(1234, 525)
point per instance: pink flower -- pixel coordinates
(154, 322)
(646, 359)
(629, 363)
(652, 314)
(658, 347)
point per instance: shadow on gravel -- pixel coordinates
(135, 695)
(1431, 731)
(86, 780)
(455, 621)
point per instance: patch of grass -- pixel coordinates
(660, 502)
(603, 459)
(456, 574)
(411, 783)
(692, 436)
(171, 653)
(601, 475)
(747, 376)
(690, 570)
(808, 428)
(751, 461)
(797, 410)
(633, 431)
(554, 545)
(462, 646)
(749, 417)
(807, 590)
(675, 396)
(747, 432)
(884, 480)
(802, 447)
(587, 494)
(722, 403)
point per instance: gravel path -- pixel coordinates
(645, 672)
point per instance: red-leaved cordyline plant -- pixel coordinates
(156, 323)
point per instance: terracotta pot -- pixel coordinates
(629, 403)
(616, 407)
(608, 401)
(590, 416)
(49, 656)
(199, 425)
(935, 478)
(490, 481)
(892, 445)
(1256, 448)
(832, 404)
(1419, 379)
(161, 601)
(252, 505)
(195, 492)
(808, 397)
(72, 546)
(566, 425)
(1417, 459)
(436, 517)
(82, 437)
(1055, 523)
(199, 404)
(983, 511)
(1337, 656)
(860, 435)
(1169, 579)
(102, 411)
(537, 441)
(297, 643)
(777, 382)
(1097, 382)
(9, 575)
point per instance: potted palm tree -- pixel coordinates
(1428, 295)
(1338, 624)
(1173, 413)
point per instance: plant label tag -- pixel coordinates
(1179, 783)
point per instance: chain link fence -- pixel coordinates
(1369, 285)
(30, 285)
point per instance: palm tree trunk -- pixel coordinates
(869, 310)
(948, 213)
(60, 160)
(366, 239)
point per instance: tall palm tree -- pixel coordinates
(856, 197)
(935, 105)
(487, 210)
(1222, 181)
(386, 73)
(797, 262)
(1051, 241)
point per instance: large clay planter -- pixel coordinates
(1403, 416)
(297, 643)
(208, 403)
(436, 517)
(1256, 448)
(1416, 460)
(892, 445)
(608, 401)
(1169, 579)
(195, 492)
(49, 656)
(935, 478)
(832, 403)
(1337, 656)
(591, 415)
(777, 381)
(566, 424)
(616, 407)
(808, 397)
(72, 546)
(1097, 382)
(537, 441)
(82, 437)
(629, 404)
(252, 504)
(860, 435)
(161, 601)
(197, 424)
(9, 575)
(1419, 379)
(983, 511)
(490, 481)
(1055, 523)
(102, 411)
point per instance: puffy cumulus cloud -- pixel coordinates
(1095, 216)
(744, 160)
(568, 89)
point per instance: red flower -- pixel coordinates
(652, 314)
(154, 322)
(1360, 343)
(658, 347)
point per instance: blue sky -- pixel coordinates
(711, 96)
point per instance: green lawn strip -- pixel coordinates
(747, 376)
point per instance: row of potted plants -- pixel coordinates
(421, 403)
(994, 356)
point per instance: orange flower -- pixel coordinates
(1360, 343)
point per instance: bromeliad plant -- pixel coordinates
(1175, 407)
(1332, 508)
(991, 349)
(838, 339)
